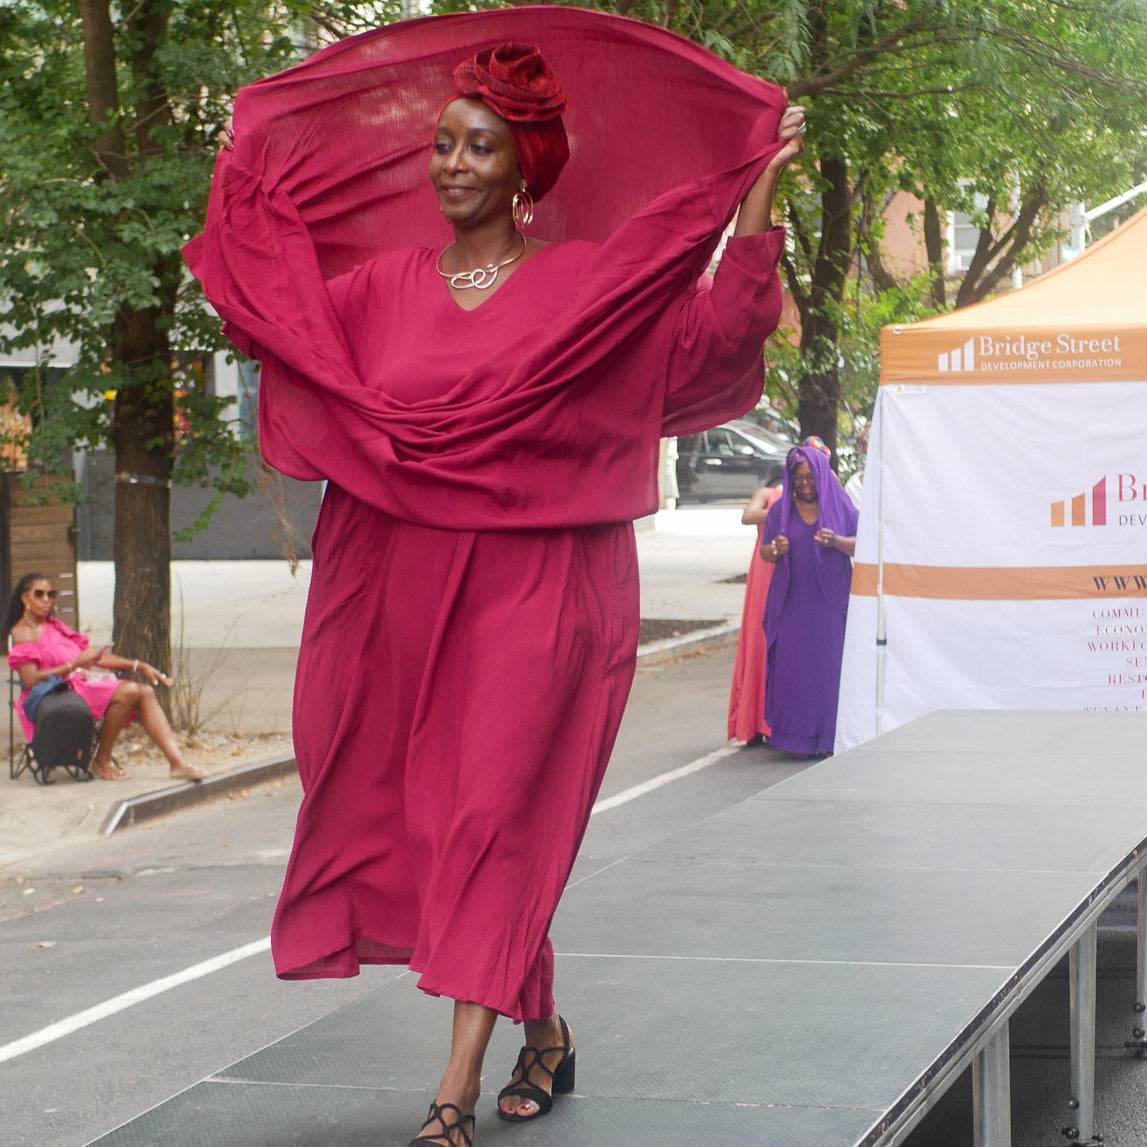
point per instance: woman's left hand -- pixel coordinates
(154, 676)
(826, 537)
(791, 134)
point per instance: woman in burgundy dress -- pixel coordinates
(486, 408)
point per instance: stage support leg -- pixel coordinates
(1138, 1041)
(1081, 979)
(992, 1092)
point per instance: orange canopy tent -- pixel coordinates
(1001, 558)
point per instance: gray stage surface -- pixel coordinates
(800, 970)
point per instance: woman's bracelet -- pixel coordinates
(135, 665)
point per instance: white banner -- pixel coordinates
(1006, 527)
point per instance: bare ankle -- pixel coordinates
(461, 1087)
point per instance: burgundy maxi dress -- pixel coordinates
(473, 615)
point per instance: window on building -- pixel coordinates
(963, 236)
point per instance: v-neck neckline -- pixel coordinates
(456, 305)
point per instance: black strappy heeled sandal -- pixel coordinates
(458, 1121)
(562, 1077)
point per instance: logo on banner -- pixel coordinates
(1116, 499)
(958, 359)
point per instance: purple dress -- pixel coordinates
(805, 613)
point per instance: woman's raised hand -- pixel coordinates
(791, 133)
(226, 134)
(755, 215)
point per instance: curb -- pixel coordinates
(702, 641)
(147, 806)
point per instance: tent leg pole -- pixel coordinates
(1081, 981)
(992, 1092)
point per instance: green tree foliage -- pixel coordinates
(1009, 109)
(1006, 109)
(108, 113)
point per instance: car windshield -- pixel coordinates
(763, 441)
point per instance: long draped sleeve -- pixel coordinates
(557, 426)
(715, 371)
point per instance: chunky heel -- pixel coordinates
(565, 1077)
(530, 1060)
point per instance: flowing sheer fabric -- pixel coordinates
(329, 171)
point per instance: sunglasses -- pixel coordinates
(50, 594)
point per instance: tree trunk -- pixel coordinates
(819, 384)
(143, 421)
(100, 84)
(143, 434)
(934, 246)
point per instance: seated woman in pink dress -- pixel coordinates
(43, 646)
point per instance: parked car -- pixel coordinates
(729, 461)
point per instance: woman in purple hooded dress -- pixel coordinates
(810, 535)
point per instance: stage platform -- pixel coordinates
(812, 967)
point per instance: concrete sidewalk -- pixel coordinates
(239, 623)
(248, 605)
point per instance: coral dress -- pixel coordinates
(56, 645)
(472, 623)
(747, 695)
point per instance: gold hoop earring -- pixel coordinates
(522, 208)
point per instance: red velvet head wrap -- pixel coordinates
(515, 82)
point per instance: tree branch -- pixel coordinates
(792, 278)
(820, 79)
(980, 279)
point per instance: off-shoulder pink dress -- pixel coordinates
(56, 645)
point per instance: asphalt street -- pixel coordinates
(155, 900)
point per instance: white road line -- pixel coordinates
(630, 794)
(197, 971)
(130, 999)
